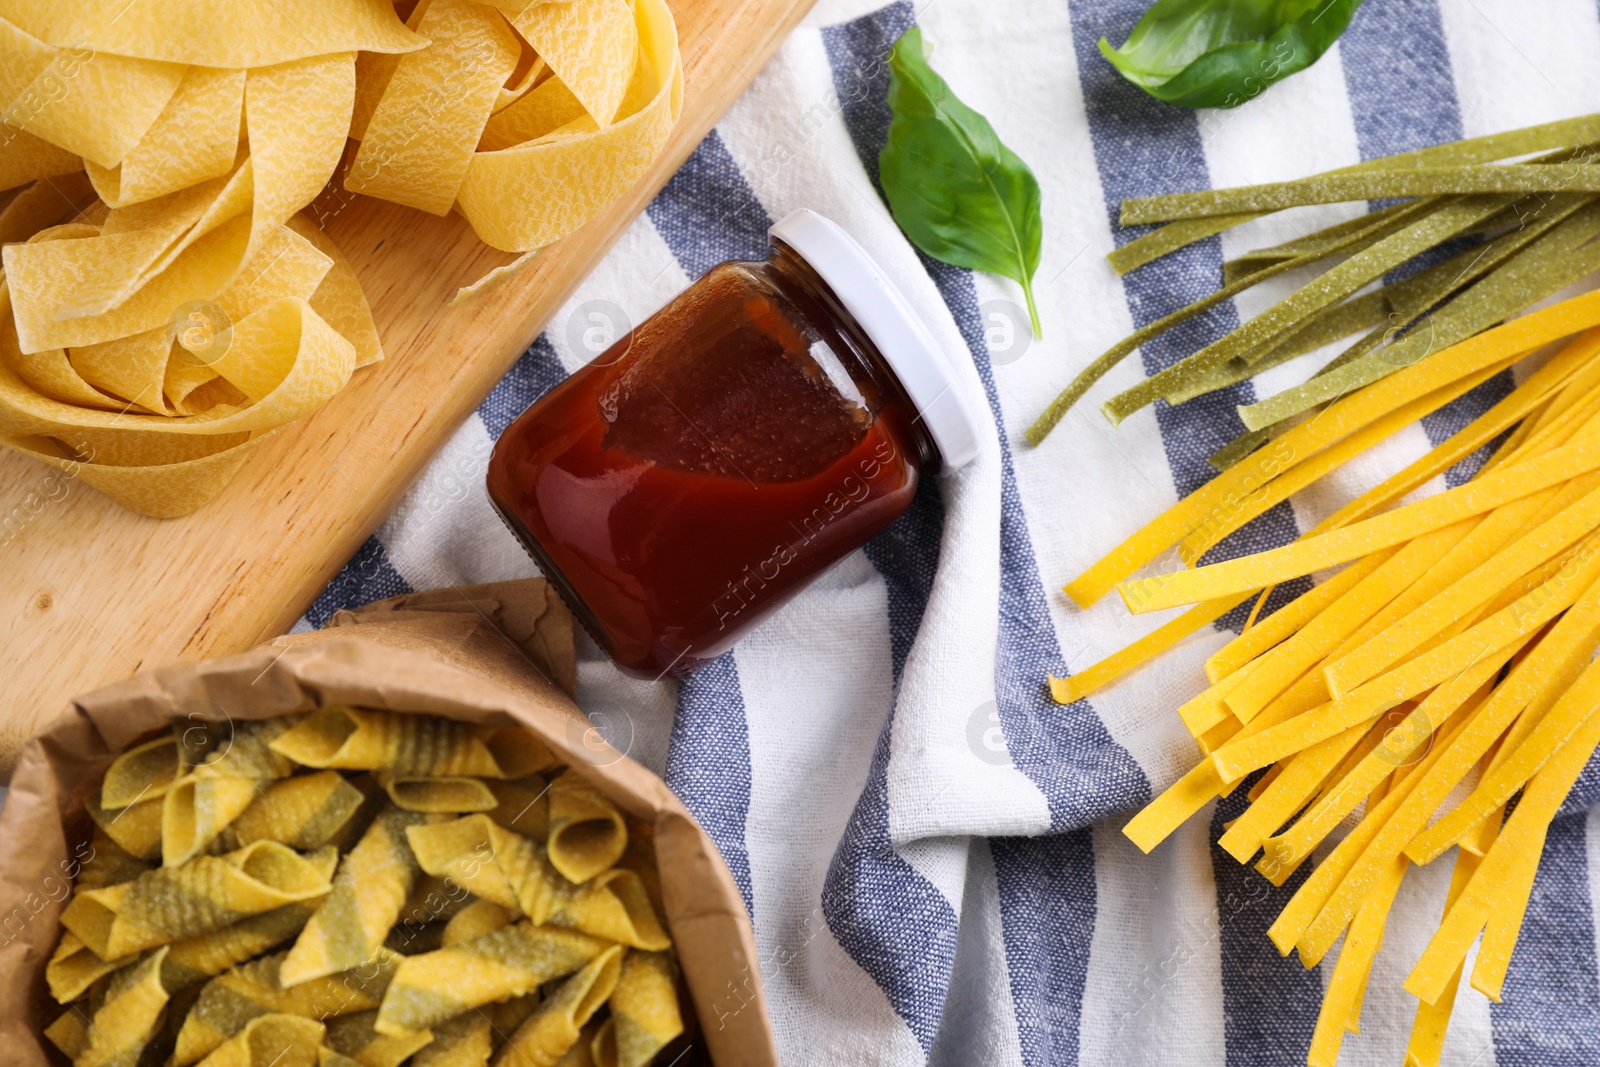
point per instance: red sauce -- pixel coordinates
(704, 469)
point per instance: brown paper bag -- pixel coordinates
(497, 653)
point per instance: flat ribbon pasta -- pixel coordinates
(282, 362)
(525, 165)
(144, 355)
(146, 314)
(195, 138)
(258, 32)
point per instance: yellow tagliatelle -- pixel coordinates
(166, 309)
(1460, 634)
(618, 64)
(141, 336)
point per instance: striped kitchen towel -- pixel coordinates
(928, 846)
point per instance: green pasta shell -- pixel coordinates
(369, 892)
(554, 1028)
(229, 1002)
(356, 739)
(206, 894)
(510, 962)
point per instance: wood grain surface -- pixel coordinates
(90, 593)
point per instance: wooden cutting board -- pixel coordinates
(91, 593)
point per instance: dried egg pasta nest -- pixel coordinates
(597, 85)
(303, 912)
(165, 308)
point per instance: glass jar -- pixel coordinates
(768, 421)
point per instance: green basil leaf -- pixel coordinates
(1222, 53)
(958, 193)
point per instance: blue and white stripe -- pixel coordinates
(929, 847)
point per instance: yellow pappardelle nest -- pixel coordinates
(354, 888)
(165, 306)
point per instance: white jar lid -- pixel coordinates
(898, 332)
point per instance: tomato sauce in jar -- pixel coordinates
(742, 440)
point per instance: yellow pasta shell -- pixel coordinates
(587, 832)
(126, 1021)
(353, 1036)
(107, 864)
(232, 1000)
(553, 1029)
(473, 921)
(446, 795)
(205, 894)
(465, 1041)
(69, 1032)
(490, 862)
(275, 1040)
(356, 739)
(243, 750)
(195, 959)
(74, 968)
(644, 1012)
(141, 773)
(196, 810)
(368, 893)
(305, 811)
(435, 986)
(135, 829)
(522, 806)
(614, 906)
